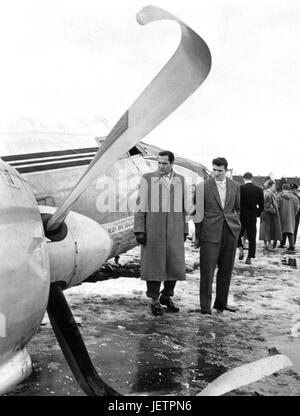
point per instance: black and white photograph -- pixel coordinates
(149, 200)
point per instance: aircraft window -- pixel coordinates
(45, 200)
(134, 151)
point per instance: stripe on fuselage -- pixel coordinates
(35, 162)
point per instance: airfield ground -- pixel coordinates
(178, 354)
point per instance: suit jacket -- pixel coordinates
(252, 200)
(210, 213)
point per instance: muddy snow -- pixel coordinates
(179, 354)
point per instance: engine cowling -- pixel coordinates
(81, 252)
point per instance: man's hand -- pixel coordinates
(141, 238)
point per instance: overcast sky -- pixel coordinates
(88, 57)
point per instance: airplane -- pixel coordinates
(52, 173)
(58, 223)
(67, 206)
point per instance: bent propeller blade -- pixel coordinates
(178, 79)
(246, 374)
(73, 347)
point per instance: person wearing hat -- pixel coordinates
(288, 206)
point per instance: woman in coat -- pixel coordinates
(270, 227)
(288, 206)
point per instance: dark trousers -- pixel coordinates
(220, 254)
(290, 237)
(154, 286)
(296, 226)
(248, 223)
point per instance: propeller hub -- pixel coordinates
(85, 247)
(56, 234)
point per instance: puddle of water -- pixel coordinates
(154, 356)
(161, 358)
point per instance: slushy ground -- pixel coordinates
(178, 354)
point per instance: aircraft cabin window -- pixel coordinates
(45, 200)
(135, 151)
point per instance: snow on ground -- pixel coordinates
(137, 353)
(264, 286)
(267, 294)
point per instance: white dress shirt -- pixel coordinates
(221, 185)
(168, 177)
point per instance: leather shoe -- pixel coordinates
(248, 260)
(156, 309)
(167, 301)
(291, 248)
(227, 308)
(206, 311)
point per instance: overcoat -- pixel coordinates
(270, 226)
(288, 206)
(162, 217)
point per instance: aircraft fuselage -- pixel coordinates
(110, 200)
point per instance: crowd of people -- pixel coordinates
(279, 212)
(280, 217)
(224, 214)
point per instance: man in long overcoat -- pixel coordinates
(160, 227)
(217, 226)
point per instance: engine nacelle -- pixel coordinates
(81, 252)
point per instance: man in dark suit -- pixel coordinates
(252, 205)
(217, 226)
